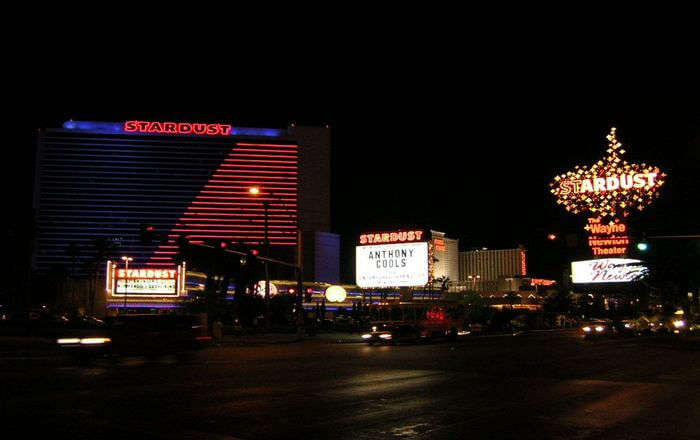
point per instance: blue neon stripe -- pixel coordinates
(118, 127)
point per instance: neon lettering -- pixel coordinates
(177, 128)
(586, 186)
(391, 237)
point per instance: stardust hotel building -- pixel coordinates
(107, 179)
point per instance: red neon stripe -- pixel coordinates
(241, 225)
(272, 231)
(280, 167)
(281, 191)
(230, 215)
(259, 161)
(253, 173)
(243, 144)
(244, 179)
(220, 219)
(236, 237)
(226, 203)
(255, 150)
(269, 156)
(236, 203)
(212, 208)
(247, 196)
(291, 152)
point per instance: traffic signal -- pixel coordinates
(307, 294)
(643, 246)
(223, 245)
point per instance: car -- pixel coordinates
(394, 334)
(598, 328)
(148, 335)
(631, 327)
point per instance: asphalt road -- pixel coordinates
(539, 386)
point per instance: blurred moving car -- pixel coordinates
(633, 327)
(598, 328)
(394, 334)
(135, 335)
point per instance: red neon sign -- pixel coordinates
(607, 239)
(541, 282)
(177, 128)
(391, 237)
(439, 244)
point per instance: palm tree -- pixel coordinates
(104, 249)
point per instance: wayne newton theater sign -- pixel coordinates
(400, 260)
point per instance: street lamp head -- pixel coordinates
(125, 258)
(254, 190)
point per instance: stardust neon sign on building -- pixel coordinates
(156, 127)
(610, 187)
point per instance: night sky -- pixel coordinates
(473, 160)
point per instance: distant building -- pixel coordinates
(492, 269)
(445, 256)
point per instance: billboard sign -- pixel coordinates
(607, 270)
(145, 282)
(392, 265)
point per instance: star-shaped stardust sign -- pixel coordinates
(609, 187)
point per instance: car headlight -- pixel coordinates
(385, 336)
(628, 325)
(586, 329)
(94, 341)
(599, 328)
(67, 341)
(679, 323)
(83, 341)
(366, 336)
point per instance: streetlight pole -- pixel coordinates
(266, 245)
(126, 282)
